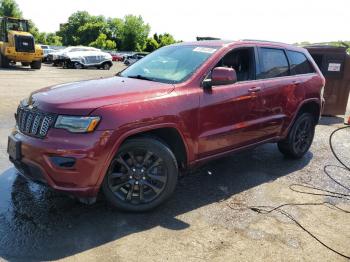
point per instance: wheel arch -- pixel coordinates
(167, 133)
(172, 138)
(312, 106)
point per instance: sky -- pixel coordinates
(275, 20)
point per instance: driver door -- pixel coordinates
(229, 115)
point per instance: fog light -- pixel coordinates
(63, 162)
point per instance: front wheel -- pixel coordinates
(35, 65)
(78, 65)
(300, 137)
(106, 66)
(142, 175)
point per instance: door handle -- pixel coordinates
(296, 82)
(254, 89)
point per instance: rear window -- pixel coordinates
(273, 63)
(299, 64)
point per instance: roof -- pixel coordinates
(222, 43)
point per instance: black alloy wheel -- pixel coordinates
(141, 176)
(303, 136)
(299, 138)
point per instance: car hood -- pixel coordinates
(81, 98)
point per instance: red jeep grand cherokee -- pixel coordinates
(131, 134)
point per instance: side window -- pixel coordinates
(299, 64)
(242, 60)
(273, 63)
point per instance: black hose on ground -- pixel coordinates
(321, 192)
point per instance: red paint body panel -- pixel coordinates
(210, 122)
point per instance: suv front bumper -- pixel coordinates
(88, 154)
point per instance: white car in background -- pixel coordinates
(85, 59)
(47, 52)
(57, 57)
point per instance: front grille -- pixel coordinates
(93, 59)
(33, 122)
(24, 43)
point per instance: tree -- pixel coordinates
(69, 31)
(90, 31)
(53, 39)
(166, 39)
(103, 43)
(10, 8)
(134, 33)
(110, 45)
(115, 29)
(151, 45)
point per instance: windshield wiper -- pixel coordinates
(141, 77)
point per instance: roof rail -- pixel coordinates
(267, 41)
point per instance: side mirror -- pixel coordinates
(221, 76)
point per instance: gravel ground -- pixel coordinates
(207, 219)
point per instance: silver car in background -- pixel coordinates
(85, 59)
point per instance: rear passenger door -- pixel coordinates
(277, 90)
(307, 82)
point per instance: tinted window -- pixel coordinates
(299, 64)
(273, 63)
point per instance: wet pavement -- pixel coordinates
(38, 223)
(196, 224)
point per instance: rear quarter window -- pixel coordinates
(273, 63)
(299, 64)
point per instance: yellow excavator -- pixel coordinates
(17, 44)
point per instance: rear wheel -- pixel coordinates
(300, 137)
(4, 62)
(142, 175)
(35, 65)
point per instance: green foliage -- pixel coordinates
(151, 45)
(10, 8)
(166, 39)
(110, 45)
(85, 29)
(69, 31)
(44, 38)
(103, 43)
(134, 33)
(129, 34)
(115, 30)
(53, 39)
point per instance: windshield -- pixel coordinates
(171, 64)
(16, 25)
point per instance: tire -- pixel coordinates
(300, 137)
(78, 66)
(142, 175)
(25, 64)
(4, 62)
(106, 66)
(35, 65)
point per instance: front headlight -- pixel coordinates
(77, 124)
